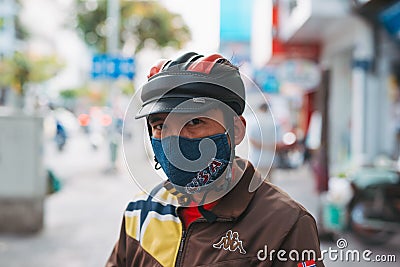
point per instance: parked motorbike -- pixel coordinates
(374, 211)
(289, 152)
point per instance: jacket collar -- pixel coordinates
(235, 202)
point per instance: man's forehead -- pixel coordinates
(157, 117)
(211, 114)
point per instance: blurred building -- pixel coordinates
(246, 39)
(340, 58)
(359, 47)
(8, 12)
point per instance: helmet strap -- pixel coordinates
(157, 164)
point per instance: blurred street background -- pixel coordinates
(330, 70)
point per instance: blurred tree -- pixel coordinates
(20, 34)
(20, 69)
(70, 94)
(20, 30)
(127, 88)
(94, 93)
(141, 21)
(70, 97)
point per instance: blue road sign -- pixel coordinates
(106, 66)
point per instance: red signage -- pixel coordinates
(282, 51)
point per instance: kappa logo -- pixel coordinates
(230, 242)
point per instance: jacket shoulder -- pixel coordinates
(151, 222)
(275, 206)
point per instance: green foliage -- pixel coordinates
(128, 89)
(141, 21)
(69, 94)
(18, 70)
(74, 93)
(44, 68)
(91, 17)
(126, 86)
(20, 30)
(94, 93)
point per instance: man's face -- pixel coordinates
(187, 125)
(178, 156)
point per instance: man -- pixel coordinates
(214, 209)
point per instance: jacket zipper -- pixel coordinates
(180, 250)
(184, 237)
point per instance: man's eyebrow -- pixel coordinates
(153, 119)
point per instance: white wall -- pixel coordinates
(353, 90)
(385, 135)
(340, 110)
(372, 123)
(21, 165)
(344, 34)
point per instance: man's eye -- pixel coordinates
(195, 121)
(158, 127)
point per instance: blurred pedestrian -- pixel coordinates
(205, 214)
(61, 135)
(262, 134)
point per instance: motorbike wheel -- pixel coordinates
(366, 233)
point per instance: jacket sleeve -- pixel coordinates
(300, 245)
(118, 254)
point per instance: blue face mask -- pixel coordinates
(192, 163)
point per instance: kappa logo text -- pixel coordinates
(230, 242)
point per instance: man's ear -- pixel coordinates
(239, 125)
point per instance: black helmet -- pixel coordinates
(197, 81)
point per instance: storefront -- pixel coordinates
(358, 94)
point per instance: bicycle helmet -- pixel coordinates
(200, 82)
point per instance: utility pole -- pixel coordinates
(113, 26)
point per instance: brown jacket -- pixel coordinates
(262, 228)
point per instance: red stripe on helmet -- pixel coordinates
(157, 67)
(205, 64)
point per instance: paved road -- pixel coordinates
(82, 220)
